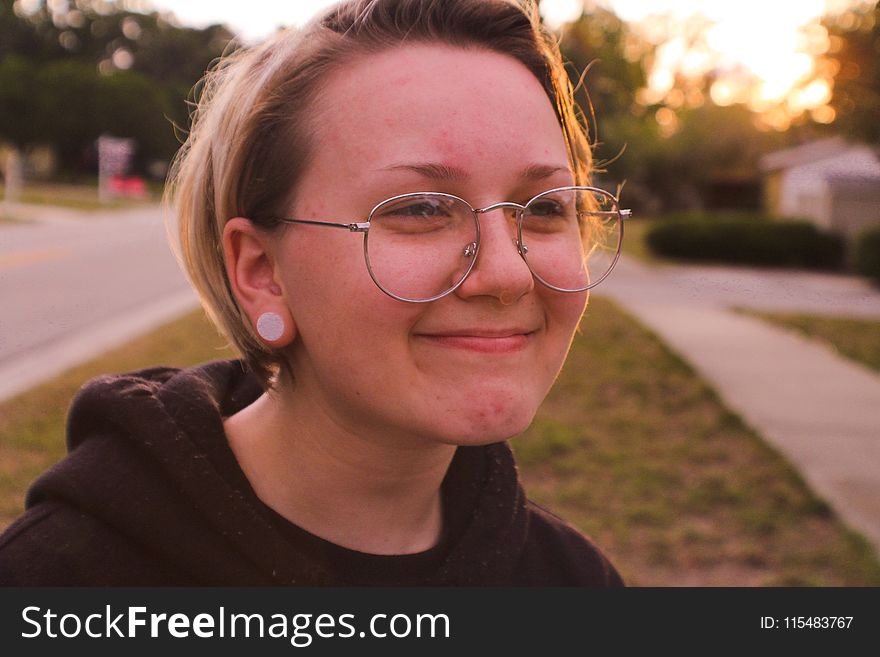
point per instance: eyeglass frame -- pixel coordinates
(364, 227)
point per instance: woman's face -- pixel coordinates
(470, 368)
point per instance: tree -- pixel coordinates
(81, 68)
(17, 125)
(66, 100)
(145, 121)
(856, 98)
(594, 47)
(17, 107)
(668, 156)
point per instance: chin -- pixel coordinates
(487, 424)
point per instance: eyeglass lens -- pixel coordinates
(421, 246)
(571, 237)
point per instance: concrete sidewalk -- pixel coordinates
(821, 411)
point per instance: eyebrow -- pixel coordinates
(437, 171)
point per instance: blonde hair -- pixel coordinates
(250, 138)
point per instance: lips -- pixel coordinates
(488, 341)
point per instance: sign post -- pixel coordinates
(114, 157)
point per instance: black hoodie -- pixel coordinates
(151, 494)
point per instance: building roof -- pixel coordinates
(813, 151)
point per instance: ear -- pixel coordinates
(250, 265)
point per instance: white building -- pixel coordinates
(834, 183)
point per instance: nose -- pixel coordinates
(500, 270)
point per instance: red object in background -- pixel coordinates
(128, 186)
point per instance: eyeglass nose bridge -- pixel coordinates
(521, 248)
(506, 204)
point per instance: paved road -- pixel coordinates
(818, 409)
(73, 285)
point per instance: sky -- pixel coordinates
(251, 19)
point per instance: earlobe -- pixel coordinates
(250, 268)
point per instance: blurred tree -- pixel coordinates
(99, 67)
(595, 45)
(668, 157)
(66, 110)
(17, 107)
(17, 126)
(856, 98)
(598, 40)
(145, 121)
(16, 37)
(713, 147)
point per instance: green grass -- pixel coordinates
(74, 197)
(857, 339)
(6, 218)
(630, 446)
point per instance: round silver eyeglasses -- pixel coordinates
(419, 247)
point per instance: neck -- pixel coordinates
(378, 494)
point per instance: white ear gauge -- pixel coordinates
(270, 326)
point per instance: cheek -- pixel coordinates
(342, 318)
(323, 268)
(564, 313)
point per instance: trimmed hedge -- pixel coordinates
(867, 256)
(715, 216)
(779, 244)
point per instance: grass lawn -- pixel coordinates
(6, 218)
(634, 449)
(75, 197)
(858, 339)
(634, 232)
(630, 446)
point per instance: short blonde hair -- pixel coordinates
(250, 138)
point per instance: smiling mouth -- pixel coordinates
(488, 343)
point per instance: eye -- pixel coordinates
(546, 208)
(422, 208)
(421, 215)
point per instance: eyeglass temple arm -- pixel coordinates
(353, 227)
(622, 213)
(361, 227)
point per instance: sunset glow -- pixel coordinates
(774, 56)
(760, 53)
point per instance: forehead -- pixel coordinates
(460, 106)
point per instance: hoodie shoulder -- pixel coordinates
(57, 545)
(138, 499)
(97, 403)
(557, 554)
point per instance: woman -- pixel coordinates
(360, 439)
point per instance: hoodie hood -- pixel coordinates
(149, 460)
